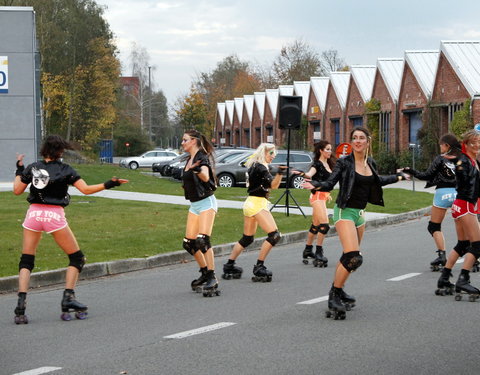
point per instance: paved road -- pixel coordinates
(398, 327)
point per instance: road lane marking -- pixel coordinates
(38, 371)
(460, 260)
(200, 330)
(312, 301)
(403, 277)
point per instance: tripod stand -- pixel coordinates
(287, 193)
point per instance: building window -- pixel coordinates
(357, 121)
(415, 124)
(384, 130)
(336, 127)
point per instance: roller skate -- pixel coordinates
(20, 317)
(439, 263)
(70, 304)
(231, 271)
(260, 273)
(476, 266)
(336, 308)
(308, 253)
(463, 287)
(197, 283)
(320, 260)
(348, 301)
(445, 287)
(210, 288)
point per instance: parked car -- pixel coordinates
(234, 172)
(162, 166)
(222, 155)
(147, 159)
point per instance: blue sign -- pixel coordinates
(3, 75)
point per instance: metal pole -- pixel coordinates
(413, 163)
(149, 104)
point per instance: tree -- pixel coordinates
(332, 62)
(192, 114)
(462, 120)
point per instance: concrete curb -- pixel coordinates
(95, 270)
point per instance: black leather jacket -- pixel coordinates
(441, 173)
(344, 172)
(468, 179)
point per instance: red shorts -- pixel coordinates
(461, 208)
(319, 196)
(45, 218)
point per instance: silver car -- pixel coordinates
(147, 159)
(234, 172)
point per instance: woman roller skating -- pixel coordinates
(255, 211)
(49, 180)
(359, 184)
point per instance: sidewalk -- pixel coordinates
(95, 270)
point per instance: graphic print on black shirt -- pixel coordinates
(49, 182)
(259, 180)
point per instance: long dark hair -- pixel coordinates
(452, 141)
(320, 146)
(53, 147)
(203, 143)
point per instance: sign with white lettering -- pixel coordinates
(3, 74)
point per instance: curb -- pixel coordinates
(95, 270)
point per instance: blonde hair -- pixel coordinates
(259, 155)
(470, 135)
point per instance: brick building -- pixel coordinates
(271, 112)
(334, 125)
(316, 108)
(246, 127)
(219, 123)
(237, 120)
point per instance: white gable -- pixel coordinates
(424, 66)
(340, 81)
(320, 88)
(221, 112)
(230, 104)
(302, 88)
(285, 90)
(260, 103)
(239, 108)
(391, 70)
(364, 75)
(464, 56)
(248, 103)
(272, 100)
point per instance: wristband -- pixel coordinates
(111, 183)
(20, 169)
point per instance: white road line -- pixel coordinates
(460, 260)
(312, 301)
(403, 277)
(38, 371)
(200, 330)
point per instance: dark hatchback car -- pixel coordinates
(234, 172)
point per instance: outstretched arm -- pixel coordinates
(90, 189)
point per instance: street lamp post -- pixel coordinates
(149, 104)
(413, 147)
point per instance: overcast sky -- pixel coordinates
(185, 37)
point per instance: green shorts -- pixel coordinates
(353, 214)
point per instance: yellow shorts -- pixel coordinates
(253, 205)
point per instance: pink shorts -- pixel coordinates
(461, 208)
(45, 218)
(319, 196)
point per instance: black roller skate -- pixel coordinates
(348, 301)
(320, 260)
(336, 308)
(210, 288)
(197, 283)
(463, 287)
(70, 304)
(445, 287)
(260, 273)
(231, 271)
(20, 317)
(439, 263)
(308, 253)
(476, 266)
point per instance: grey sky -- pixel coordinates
(185, 37)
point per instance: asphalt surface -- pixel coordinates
(397, 327)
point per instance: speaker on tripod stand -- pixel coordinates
(289, 117)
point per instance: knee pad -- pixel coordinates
(323, 228)
(245, 241)
(202, 243)
(77, 260)
(462, 247)
(475, 249)
(189, 245)
(273, 237)
(352, 260)
(434, 227)
(313, 229)
(27, 261)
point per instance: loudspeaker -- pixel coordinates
(290, 112)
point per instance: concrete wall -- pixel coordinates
(19, 107)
